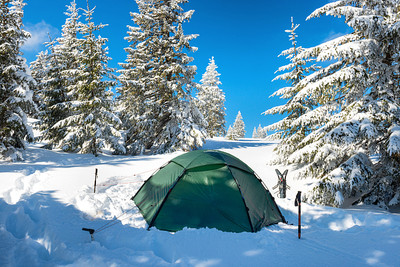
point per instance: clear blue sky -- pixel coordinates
(245, 38)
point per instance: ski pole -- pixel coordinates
(297, 202)
(95, 180)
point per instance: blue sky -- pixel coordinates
(245, 38)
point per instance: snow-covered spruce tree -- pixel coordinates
(238, 127)
(261, 132)
(15, 83)
(92, 124)
(291, 130)
(51, 93)
(38, 72)
(55, 72)
(156, 81)
(229, 134)
(358, 112)
(211, 101)
(255, 134)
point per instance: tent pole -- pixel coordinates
(165, 198)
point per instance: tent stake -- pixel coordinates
(95, 179)
(91, 232)
(297, 202)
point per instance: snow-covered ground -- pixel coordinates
(47, 199)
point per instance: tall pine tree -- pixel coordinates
(238, 130)
(357, 112)
(92, 125)
(38, 72)
(211, 101)
(157, 81)
(56, 74)
(75, 88)
(291, 130)
(15, 83)
(51, 93)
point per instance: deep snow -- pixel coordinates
(47, 199)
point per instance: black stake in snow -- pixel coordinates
(281, 183)
(95, 179)
(91, 231)
(297, 202)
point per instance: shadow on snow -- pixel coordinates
(228, 144)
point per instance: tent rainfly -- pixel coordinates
(207, 188)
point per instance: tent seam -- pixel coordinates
(151, 224)
(165, 164)
(267, 190)
(185, 168)
(241, 194)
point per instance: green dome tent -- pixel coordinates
(206, 188)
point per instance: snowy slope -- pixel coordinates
(46, 200)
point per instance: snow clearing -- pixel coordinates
(46, 200)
